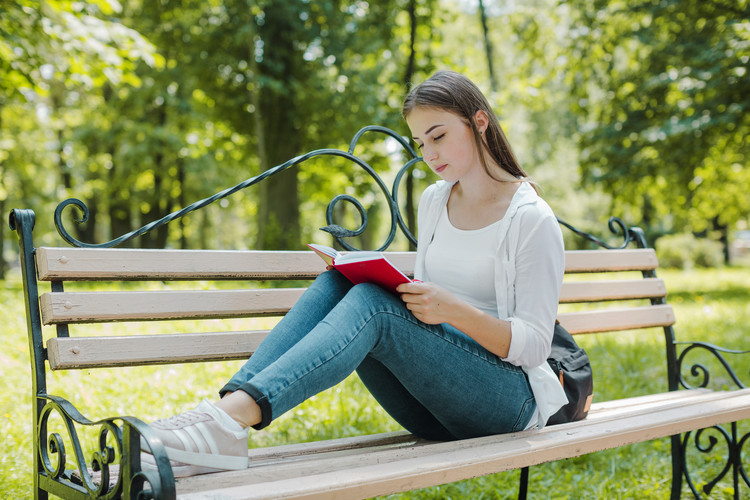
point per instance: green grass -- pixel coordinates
(711, 305)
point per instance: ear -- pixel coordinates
(481, 120)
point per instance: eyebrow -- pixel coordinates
(430, 130)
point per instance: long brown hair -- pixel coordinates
(453, 92)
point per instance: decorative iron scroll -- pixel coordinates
(335, 230)
(733, 462)
(616, 225)
(700, 370)
(114, 470)
(704, 440)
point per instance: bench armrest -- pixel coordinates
(700, 370)
(119, 441)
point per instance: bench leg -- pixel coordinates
(677, 470)
(523, 484)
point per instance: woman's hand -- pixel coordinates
(428, 302)
(433, 305)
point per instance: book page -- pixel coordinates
(357, 257)
(328, 254)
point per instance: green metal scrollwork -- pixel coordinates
(704, 442)
(616, 226)
(112, 482)
(337, 231)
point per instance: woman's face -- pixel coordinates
(446, 142)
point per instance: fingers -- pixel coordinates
(415, 286)
(423, 300)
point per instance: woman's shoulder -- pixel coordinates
(530, 204)
(436, 191)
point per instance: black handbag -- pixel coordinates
(571, 363)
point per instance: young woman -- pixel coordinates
(460, 354)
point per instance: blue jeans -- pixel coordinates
(434, 380)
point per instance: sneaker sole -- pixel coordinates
(215, 462)
(178, 470)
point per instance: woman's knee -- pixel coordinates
(369, 293)
(332, 281)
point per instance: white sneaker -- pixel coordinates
(200, 441)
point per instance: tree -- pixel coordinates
(662, 92)
(286, 73)
(48, 53)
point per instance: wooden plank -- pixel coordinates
(590, 261)
(596, 291)
(367, 473)
(69, 264)
(99, 352)
(612, 320)
(94, 307)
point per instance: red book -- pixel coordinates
(362, 267)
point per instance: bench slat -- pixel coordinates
(590, 261)
(371, 472)
(612, 320)
(99, 352)
(595, 291)
(95, 307)
(104, 352)
(70, 264)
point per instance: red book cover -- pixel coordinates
(363, 267)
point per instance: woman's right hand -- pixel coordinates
(430, 303)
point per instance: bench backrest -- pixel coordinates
(621, 301)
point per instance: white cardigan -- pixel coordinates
(529, 267)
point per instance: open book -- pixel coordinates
(362, 267)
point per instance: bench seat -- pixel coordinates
(376, 465)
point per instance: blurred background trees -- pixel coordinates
(635, 109)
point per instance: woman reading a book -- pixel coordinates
(459, 353)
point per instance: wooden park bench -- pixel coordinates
(631, 298)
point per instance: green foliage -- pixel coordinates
(662, 92)
(685, 251)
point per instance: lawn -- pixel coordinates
(711, 305)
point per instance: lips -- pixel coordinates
(440, 168)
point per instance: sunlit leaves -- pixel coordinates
(663, 96)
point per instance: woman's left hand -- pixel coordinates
(428, 302)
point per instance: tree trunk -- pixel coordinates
(182, 201)
(410, 207)
(488, 49)
(278, 227)
(119, 207)
(83, 232)
(276, 106)
(723, 239)
(160, 199)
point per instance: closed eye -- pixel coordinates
(439, 137)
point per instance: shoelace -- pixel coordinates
(183, 419)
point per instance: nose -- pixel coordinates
(429, 154)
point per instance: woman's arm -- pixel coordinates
(539, 269)
(433, 304)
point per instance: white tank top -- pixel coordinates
(462, 261)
